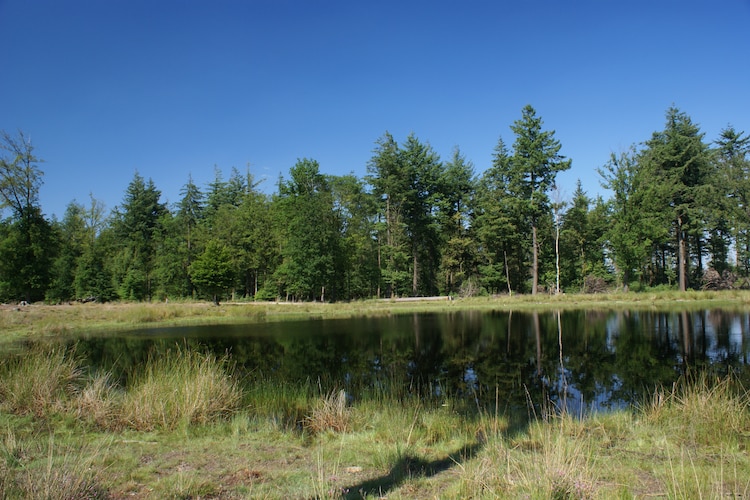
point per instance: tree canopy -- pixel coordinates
(676, 215)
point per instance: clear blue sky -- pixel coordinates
(170, 89)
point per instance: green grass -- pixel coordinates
(38, 382)
(178, 390)
(186, 429)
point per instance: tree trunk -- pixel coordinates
(557, 254)
(507, 272)
(534, 261)
(538, 338)
(682, 256)
(415, 272)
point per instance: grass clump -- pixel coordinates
(554, 459)
(182, 388)
(702, 411)
(39, 382)
(99, 402)
(330, 413)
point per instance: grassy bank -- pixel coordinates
(187, 429)
(37, 321)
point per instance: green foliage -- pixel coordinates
(27, 248)
(413, 226)
(135, 227)
(513, 203)
(631, 233)
(455, 205)
(732, 215)
(92, 279)
(407, 184)
(675, 170)
(27, 244)
(311, 237)
(212, 272)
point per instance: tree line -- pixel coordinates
(414, 225)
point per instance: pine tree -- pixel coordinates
(135, 226)
(676, 165)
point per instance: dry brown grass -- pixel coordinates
(330, 413)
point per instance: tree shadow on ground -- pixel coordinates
(408, 466)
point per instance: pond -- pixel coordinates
(584, 360)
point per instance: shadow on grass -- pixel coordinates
(406, 467)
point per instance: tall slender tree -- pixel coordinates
(386, 175)
(190, 213)
(500, 227)
(356, 208)
(630, 236)
(676, 164)
(458, 186)
(423, 171)
(534, 166)
(406, 181)
(73, 241)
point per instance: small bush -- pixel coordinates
(39, 382)
(183, 388)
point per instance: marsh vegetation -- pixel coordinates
(184, 417)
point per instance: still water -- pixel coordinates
(583, 360)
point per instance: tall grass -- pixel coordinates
(99, 402)
(182, 388)
(39, 382)
(52, 473)
(698, 411)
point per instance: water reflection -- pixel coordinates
(583, 360)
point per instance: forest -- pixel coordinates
(677, 217)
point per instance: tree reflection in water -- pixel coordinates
(576, 360)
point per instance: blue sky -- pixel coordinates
(171, 89)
